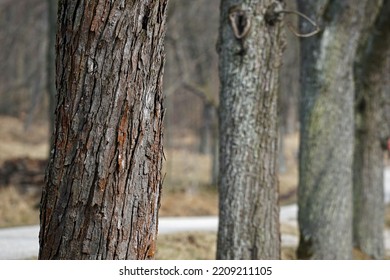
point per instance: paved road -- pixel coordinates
(19, 243)
(22, 242)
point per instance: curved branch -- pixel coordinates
(304, 35)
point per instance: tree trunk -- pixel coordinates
(215, 155)
(206, 129)
(371, 77)
(327, 128)
(289, 90)
(50, 62)
(250, 50)
(103, 181)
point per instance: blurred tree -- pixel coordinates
(191, 60)
(250, 50)
(288, 98)
(327, 130)
(372, 130)
(191, 76)
(103, 182)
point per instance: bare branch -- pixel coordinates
(305, 35)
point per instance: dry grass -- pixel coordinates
(17, 209)
(202, 246)
(289, 229)
(186, 170)
(202, 202)
(186, 246)
(16, 141)
(197, 246)
(288, 180)
(187, 190)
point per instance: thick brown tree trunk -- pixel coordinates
(327, 128)
(103, 180)
(52, 7)
(371, 82)
(250, 50)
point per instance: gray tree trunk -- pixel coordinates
(327, 128)
(289, 90)
(103, 182)
(250, 50)
(371, 81)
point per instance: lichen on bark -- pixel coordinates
(248, 187)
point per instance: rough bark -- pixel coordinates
(327, 128)
(371, 78)
(248, 187)
(52, 7)
(103, 181)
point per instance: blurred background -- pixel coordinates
(191, 85)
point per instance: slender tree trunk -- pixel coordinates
(371, 81)
(206, 140)
(250, 50)
(327, 128)
(215, 154)
(103, 181)
(289, 89)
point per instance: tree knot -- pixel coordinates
(239, 21)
